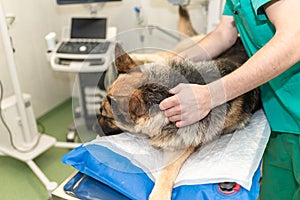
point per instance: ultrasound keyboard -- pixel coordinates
(75, 47)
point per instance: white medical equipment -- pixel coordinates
(84, 52)
(86, 49)
(93, 5)
(19, 137)
(88, 65)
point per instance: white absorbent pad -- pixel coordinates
(232, 158)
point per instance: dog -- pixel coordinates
(131, 104)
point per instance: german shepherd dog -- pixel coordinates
(131, 104)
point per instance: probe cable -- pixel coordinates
(8, 129)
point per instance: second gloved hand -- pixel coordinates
(189, 104)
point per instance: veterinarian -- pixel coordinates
(270, 31)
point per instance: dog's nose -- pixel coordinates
(106, 130)
(97, 128)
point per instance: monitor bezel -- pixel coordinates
(67, 2)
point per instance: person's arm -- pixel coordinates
(193, 102)
(279, 54)
(215, 43)
(178, 107)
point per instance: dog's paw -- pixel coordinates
(160, 195)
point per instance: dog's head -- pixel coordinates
(131, 103)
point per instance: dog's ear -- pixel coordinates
(145, 100)
(123, 61)
(137, 106)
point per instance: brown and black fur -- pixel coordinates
(131, 104)
(137, 94)
(184, 23)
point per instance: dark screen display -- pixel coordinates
(94, 28)
(62, 2)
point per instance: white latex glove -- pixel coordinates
(190, 103)
(195, 53)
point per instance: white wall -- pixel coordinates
(36, 18)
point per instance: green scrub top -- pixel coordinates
(281, 95)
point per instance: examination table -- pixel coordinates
(124, 167)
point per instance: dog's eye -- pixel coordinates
(105, 117)
(108, 99)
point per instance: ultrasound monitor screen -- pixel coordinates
(63, 2)
(92, 28)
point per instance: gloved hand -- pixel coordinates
(194, 53)
(190, 103)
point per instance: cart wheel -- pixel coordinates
(71, 136)
(229, 187)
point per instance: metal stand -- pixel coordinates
(31, 139)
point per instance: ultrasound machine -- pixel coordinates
(86, 49)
